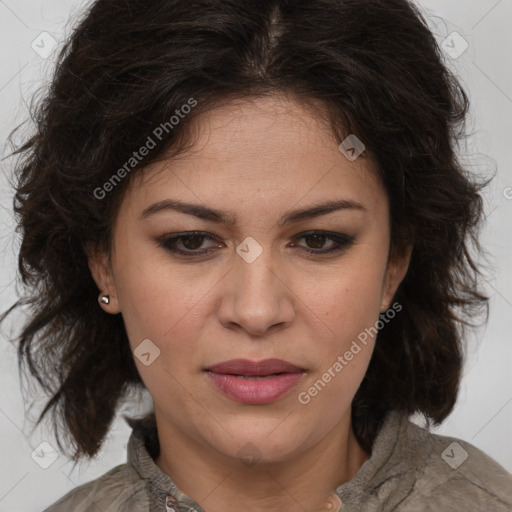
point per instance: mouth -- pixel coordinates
(254, 382)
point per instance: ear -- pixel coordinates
(396, 270)
(101, 271)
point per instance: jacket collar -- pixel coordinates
(387, 471)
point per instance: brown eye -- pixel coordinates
(315, 240)
(192, 242)
(188, 244)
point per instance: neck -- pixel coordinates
(223, 484)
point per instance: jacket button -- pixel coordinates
(170, 501)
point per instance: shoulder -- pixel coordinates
(120, 489)
(453, 475)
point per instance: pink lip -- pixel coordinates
(247, 367)
(226, 378)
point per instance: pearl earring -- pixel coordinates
(104, 299)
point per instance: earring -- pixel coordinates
(104, 299)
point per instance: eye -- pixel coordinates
(186, 244)
(191, 243)
(316, 240)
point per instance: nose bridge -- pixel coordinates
(257, 297)
(256, 276)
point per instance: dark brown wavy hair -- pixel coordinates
(128, 66)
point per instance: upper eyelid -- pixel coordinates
(209, 236)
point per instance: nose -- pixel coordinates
(256, 297)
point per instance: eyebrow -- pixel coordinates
(228, 218)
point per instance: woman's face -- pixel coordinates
(257, 293)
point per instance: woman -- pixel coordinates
(254, 210)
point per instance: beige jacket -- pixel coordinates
(410, 470)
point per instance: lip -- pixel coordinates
(248, 367)
(228, 377)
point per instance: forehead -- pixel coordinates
(273, 146)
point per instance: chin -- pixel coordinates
(260, 446)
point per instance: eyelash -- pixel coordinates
(168, 242)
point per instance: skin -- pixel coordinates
(257, 158)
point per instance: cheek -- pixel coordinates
(153, 294)
(348, 308)
(159, 307)
(168, 305)
(159, 310)
(348, 304)
(347, 300)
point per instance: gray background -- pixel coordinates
(483, 415)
